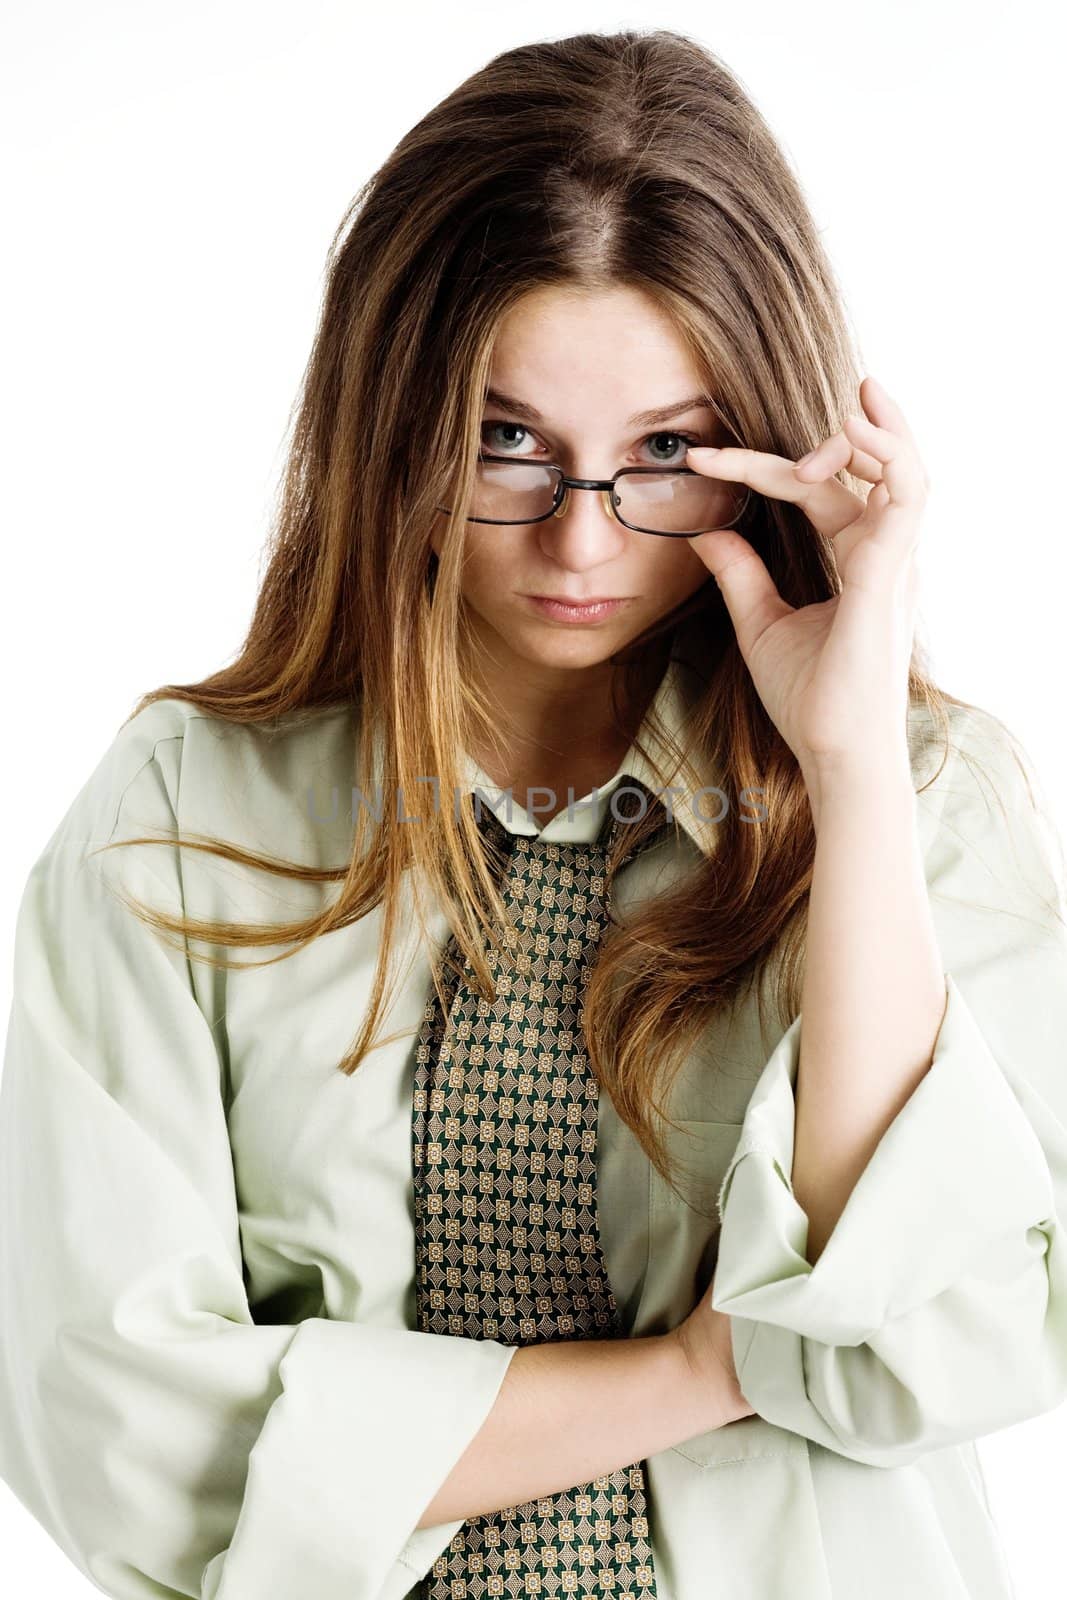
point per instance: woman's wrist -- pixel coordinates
(877, 776)
(704, 1369)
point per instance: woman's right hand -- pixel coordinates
(706, 1340)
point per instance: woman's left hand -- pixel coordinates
(833, 675)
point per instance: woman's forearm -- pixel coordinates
(570, 1411)
(874, 988)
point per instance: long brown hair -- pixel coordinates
(602, 159)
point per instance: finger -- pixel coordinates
(902, 471)
(748, 589)
(840, 453)
(881, 409)
(828, 504)
(882, 412)
(837, 454)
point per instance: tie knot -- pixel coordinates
(628, 805)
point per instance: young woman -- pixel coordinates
(546, 1075)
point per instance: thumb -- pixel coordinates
(748, 589)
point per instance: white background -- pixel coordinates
(173, 175)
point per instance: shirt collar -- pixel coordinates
(693, 808)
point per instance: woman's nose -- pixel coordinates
(583, 529)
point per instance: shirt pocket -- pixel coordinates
(700, 1153)
(683, 1224)
(744, 1439)
(683, 1249)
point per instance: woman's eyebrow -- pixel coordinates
(519, 408)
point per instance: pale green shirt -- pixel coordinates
(211, 1380)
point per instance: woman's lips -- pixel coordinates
(570, 611)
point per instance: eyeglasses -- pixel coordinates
(671, 502)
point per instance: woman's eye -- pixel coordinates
(496, 448)
(684, 439)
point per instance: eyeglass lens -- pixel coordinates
(667, 502)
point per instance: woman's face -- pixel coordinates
(586, 363)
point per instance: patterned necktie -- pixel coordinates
(507, 1246)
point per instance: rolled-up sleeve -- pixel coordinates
(936, 1311)
(168, 1443)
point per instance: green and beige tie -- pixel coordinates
(507, 1245)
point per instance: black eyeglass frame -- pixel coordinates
(604, 485)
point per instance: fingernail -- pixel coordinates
(703, 450)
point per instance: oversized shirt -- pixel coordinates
(211, 1381)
